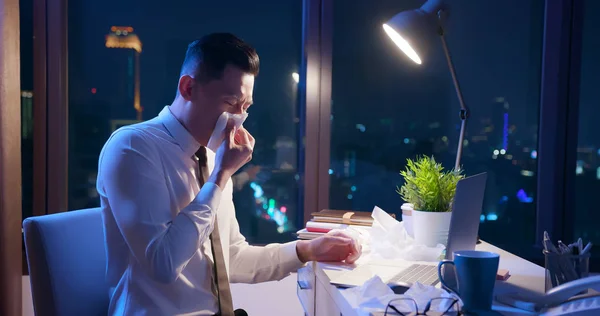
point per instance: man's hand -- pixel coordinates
(233, 153)
(329, 248)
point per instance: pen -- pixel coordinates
(587, 248)
(548, 244)
(563, 248)
(574, 249)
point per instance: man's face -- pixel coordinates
(231, 93)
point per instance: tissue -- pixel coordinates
(389, 240)
(374, 295)
(357, 240)
(218, 134)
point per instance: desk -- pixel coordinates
(319, 298)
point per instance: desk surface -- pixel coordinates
(526, 277)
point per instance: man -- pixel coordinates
(172, 239)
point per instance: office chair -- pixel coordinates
(67, 263)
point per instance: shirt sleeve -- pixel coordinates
(132, 180)
(254, 264)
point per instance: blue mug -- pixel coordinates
(476, 275)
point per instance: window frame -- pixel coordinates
(315, 105)
(57, 94)
(10, 158)
(559, 119)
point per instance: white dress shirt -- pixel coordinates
(157, 222)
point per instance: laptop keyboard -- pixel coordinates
(424, 274)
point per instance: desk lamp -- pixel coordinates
(410, 30)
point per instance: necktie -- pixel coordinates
(219, 270)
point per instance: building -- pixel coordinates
(26, 114)
(124, 67)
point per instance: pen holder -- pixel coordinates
(563, 268)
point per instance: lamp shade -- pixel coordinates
(412, 30)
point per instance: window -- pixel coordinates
(26, 32)
(103, 82)
(386, 109)
(587, 180)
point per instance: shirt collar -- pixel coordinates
(184, 139)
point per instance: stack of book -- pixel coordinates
(326, 220)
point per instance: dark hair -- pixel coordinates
(207, 57)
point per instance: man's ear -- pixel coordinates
(185, 87)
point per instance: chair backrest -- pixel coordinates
(67, 263)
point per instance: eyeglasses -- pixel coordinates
(406, 306)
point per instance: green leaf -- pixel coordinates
(428, 186)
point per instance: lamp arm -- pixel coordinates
(464, 111)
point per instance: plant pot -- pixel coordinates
(431, 228)
(407, 210)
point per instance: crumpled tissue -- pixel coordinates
(357, 242)
(218, 134)
(389, 240)
(374, 295)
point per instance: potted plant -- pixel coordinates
(430, 189)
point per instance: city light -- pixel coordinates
(534, 154)
(496, 152)
(94, 90)
(491, 217)
(267, 209)
(523, 198)
(258, 191)
(527, 173)
(505, 131)
(361, 127)
(296, 77)
(330, 171)
(502, 151)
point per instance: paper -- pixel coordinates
(374, 295)
(389, 240)
(218, 134)
(356, 240)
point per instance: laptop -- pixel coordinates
(462, 235)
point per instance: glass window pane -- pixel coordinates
(26, 25)
(387, 108)
(102, 92)
(587, 183)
